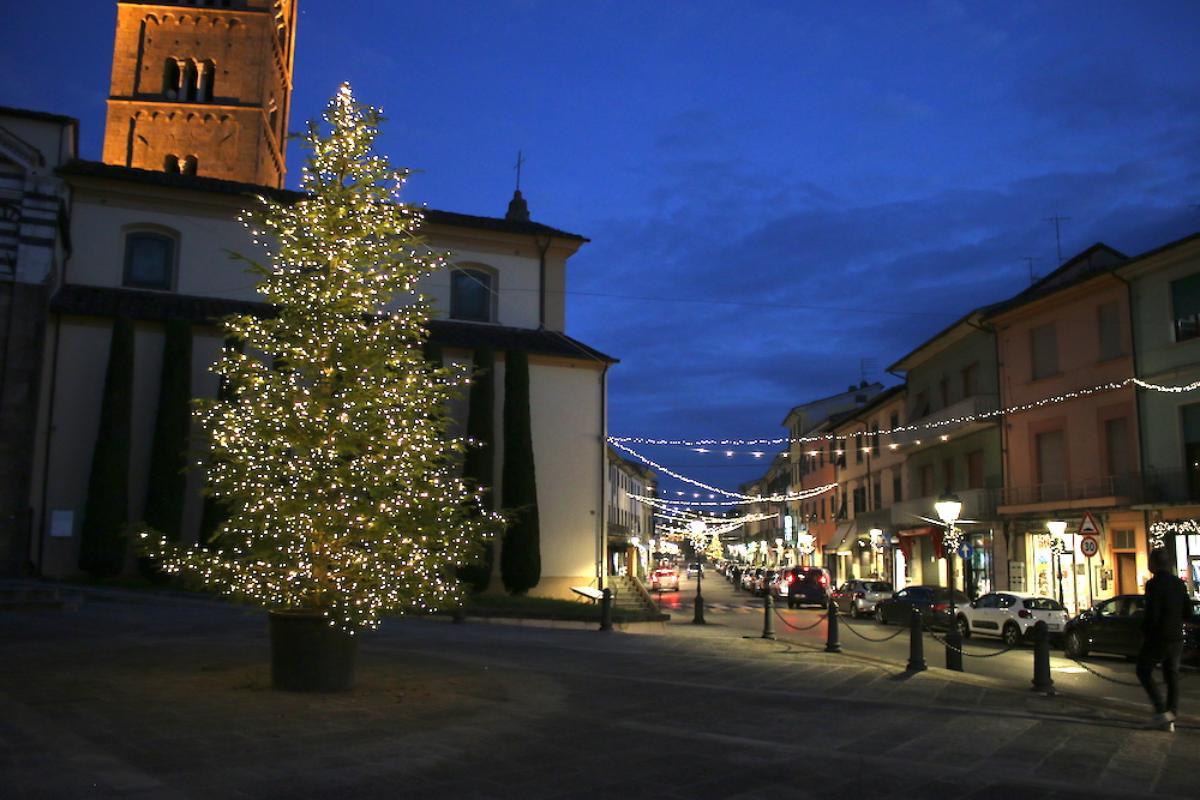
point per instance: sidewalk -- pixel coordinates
(124, 699)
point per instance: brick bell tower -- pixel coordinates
(202, 87)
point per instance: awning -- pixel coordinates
(933, 532)
(843, 539)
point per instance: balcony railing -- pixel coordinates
(1126, 485)
(951, 419)
(1171, 486)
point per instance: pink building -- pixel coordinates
(1065, 335)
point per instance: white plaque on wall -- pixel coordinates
(62, 523)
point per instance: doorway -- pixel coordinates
(1126, 573)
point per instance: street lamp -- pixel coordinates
(1057, 546)
(948, 508)
(876, 548)
(697, 528)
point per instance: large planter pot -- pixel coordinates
(308, 655)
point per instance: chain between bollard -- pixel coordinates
(783, 619)
(1101, 676)
(864, 637)
(960, 651)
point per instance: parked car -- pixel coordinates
(694, 569)
(933, 602)
(750, 577)
(762, 583)
(664, 579)
(1115, 626)
(801, 585)
(858, 597)
(1011, 616)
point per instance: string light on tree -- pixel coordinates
(333, 458)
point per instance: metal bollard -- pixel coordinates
(916, 642)
(1042, 682)
(698, 614)
(954, 659)
(768, 617)
(831, 629)
(606, 605)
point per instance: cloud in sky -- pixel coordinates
(796, 188)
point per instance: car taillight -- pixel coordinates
(1025, 613)
(860, 595)
(940, 607)
(824, 579)
(791, 578)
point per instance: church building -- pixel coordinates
(196, 126)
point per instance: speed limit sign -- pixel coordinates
(1089, 546)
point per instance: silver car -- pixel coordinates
(858, 597)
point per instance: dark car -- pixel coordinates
(1115, 626)
(803, 585)
(933, 602)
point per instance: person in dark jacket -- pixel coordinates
(1167, 606)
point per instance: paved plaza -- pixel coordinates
(145, 697)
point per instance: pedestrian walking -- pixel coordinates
(1167, 606)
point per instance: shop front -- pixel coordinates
(1181, 537)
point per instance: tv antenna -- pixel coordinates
(1057, 220)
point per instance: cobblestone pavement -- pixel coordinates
(147, 699)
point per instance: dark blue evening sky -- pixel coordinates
(779, 194)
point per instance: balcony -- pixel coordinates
(957, 419)
(1171, 486)
(1108, 490)
(977, 504)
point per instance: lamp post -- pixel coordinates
(876, 549)
(697, 528)
(948, 508)
(1057, 545)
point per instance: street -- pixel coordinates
(983, 655)
(150, 697)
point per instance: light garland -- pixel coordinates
(702, 445)
(1159, 531)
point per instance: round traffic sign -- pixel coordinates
(1089, 546)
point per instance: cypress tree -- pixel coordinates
(106, 510)
(520, 556)
(478, 469)
(167, 482)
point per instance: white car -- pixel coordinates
(664, 579)
(1011, 616)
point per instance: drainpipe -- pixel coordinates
(1137, 391)
(602, 515)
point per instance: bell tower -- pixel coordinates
(202, 87)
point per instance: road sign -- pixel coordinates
(1089, 526)
(1089, 546)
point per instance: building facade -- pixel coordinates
(1065, 335)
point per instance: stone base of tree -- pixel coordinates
(308, 655)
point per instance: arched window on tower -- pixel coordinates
(172, 78)
(189, 165)
(190, 80)
(208, 74)
(171, 164)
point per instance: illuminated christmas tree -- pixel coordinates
(329, 446)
